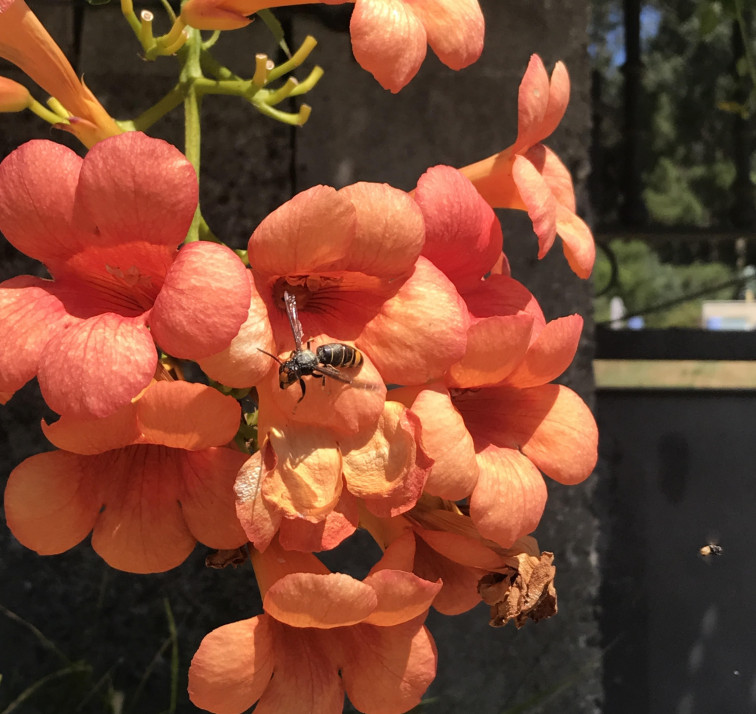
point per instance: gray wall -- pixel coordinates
(115, 621)
(678, 628)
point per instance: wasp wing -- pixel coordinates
(290, 303)
(327, 370)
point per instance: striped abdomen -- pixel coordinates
(338, 355)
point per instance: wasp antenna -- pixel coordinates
(270, 355)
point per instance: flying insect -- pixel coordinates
(305, 363)
(710, 549)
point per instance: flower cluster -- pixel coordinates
(402, 379)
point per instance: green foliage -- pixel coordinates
(644, 281)
(696, 86)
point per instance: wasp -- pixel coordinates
(305, 363)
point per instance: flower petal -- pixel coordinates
(257, 517)
(52, 501)
(555, 174)
(310, 233)
(37, 188)
(540, 202)
(214, 15)
(460, 582)
(97, 366)
(306, 479)
(532, 105)
(233, 666)
(142, 528)
(89, 436)
(187, 415)
(242, 364)
(455, 29)
(445, 439)
(463, 235)
(30, 315)
(203, 302)
(321, 601)
(207, 496)
(495, 347)
(420, 331)
(550, 424)
(390, 230)
(503, 295)
(135, 187)
(338, 525)
(509, 498)
(387, 469)
(550, 354)
(401, 596)
(577, 242)
(388, 40)
(388, 669)
(460, 548)
(306, 678)
(559, 98)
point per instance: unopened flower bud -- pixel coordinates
(14, 97)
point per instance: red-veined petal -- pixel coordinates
(509, 498)
(135, 187)
(97, 366)
(203, 302)
(387, 669)
(233, 666)
(390, 230)
(207, 496)
(463, 235)
(388, 40)
(52, 501)
(455, 29)
(549, 354)
(142, 528)
(321, 601)
(310, 233)
(30, 315)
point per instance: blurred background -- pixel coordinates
(659, 138)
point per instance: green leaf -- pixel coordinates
(276, 29)
(709, 17)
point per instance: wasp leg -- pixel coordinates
(301, 384)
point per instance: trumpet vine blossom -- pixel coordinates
(322, 634)
(25, 42)
(107, 228)
(529, 176)
(148, 482)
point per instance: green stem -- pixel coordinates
(296, 59)
(156, 112)
(190, 73)
(746, 42)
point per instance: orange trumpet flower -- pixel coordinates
(26, 43)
